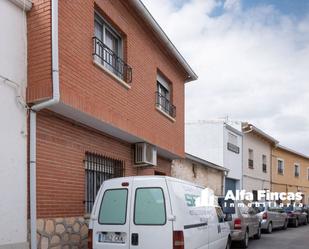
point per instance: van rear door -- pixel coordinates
(149, 224)
(111, 224)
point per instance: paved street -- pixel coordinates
(292, 238)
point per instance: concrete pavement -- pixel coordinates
(292, 238)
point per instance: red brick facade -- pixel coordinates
(89, 89)
(84, 87)
(61, 148)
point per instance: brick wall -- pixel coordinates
(88, 88)
(39, 51)
(61, 147)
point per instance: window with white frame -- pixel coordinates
(232, 143)
(232, 138)
(296, 170)
(108, 48)
(280, 166)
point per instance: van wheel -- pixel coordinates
(258, 234)
(244, 243)
(269, 228)
(229, 243)
(285, 226)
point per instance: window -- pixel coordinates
(108, 49)
(264, 160)
(232, 138)
(250, 160)
(164, 96)
(99, 168)
(296, 170)
(113, 208)
(149, 207)
(308, 176)
(280, 167)
(232, 144)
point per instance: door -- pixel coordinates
(149, 224)
(230, 184)
(111, 225)
(218, 229)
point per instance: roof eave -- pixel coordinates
(164, 38)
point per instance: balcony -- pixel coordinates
(250, 163)
(164, 104)
(111, 61)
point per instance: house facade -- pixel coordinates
(257, 150)
(13, 125)
(106, 87)
(201, 172)
(290, 172)
(218, 143)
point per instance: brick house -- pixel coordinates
(106, 88)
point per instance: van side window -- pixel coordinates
(113, 208)
(149, 207)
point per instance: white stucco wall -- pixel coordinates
(208, 140)
(205, 140)
(13, 141)
(232, 160)
(255, 179)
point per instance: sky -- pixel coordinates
(252, 59)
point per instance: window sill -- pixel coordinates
(165, 114)
(115, 77)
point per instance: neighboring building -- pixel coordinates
(120, 110)
(290, 172)
(201, 172)
(218, 143)
(257, 148)
(13, 125)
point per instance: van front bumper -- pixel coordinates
(237, 235)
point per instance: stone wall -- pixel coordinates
(62, 233)
(203, 175)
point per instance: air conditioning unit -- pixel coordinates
(145, 154)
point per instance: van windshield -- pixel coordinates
(114, 207)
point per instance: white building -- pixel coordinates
(13, 125)
(219, 143)
(257, 151)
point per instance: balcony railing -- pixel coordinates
(250, 163)
(164, 104)
(111, 61)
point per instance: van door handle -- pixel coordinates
(134, 239)
(219, 228)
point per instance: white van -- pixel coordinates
(155, 212)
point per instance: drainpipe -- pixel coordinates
(34, 109)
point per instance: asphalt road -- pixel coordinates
(292, 238)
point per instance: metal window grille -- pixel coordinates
(164, 104)
(99, 168)
(111, 60)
